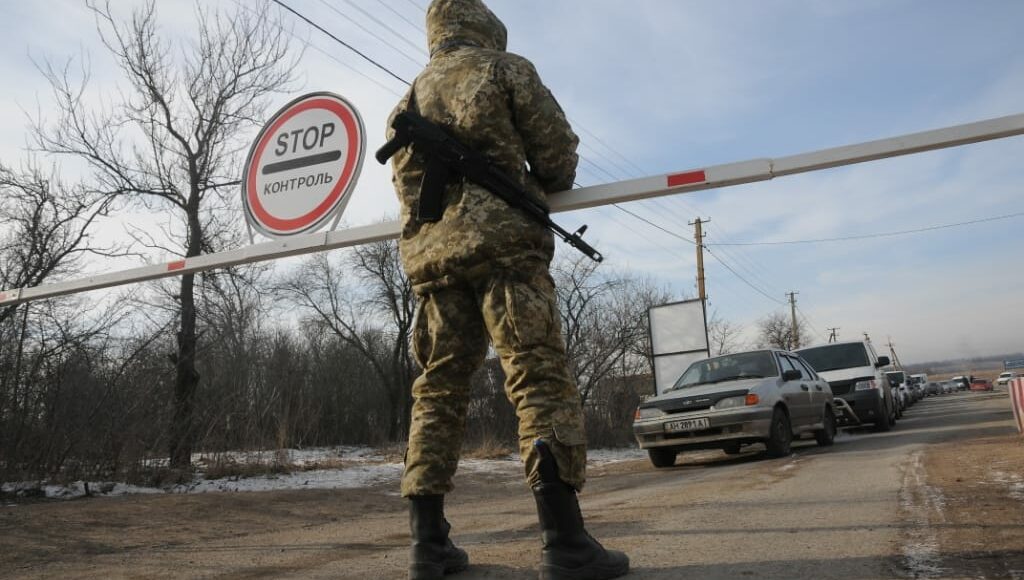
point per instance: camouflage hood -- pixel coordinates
(463, 22)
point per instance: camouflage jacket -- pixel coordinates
(494, 102)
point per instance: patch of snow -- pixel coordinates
(1014, 483)
(608, 456)
(922, 503)
(359, 467)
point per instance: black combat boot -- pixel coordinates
(569, 553)
(433, 555)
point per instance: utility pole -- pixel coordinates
(833, 335)
(895, 359)
(698, 236)
(796, 328)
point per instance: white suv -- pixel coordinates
(1006, 377)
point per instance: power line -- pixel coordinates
(400, 15)
(373, 34)
(421, 8)
(387, 27)
(654, 225)
(341, 42)
(878, 235)
(329, 55)
(745, 281)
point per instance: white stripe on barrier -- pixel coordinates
(1017, 401)
(717, 176)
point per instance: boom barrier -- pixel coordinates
(712, 177)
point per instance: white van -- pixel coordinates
(855, 373)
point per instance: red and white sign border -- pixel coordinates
(334, 204)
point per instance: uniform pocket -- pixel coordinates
(570, 434)
(421, 343)
(531, 314)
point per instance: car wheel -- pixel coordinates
(827, 435)
(732, 449)
(662, 457)
(781, 437)
(885, 420)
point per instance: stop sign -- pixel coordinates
(303, 166)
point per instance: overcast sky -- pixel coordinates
(657, 86)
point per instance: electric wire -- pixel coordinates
(373, 34)
(340, 41)
(745, 281)
(387, 27)
(309, 44)
(401, 16)
(880, 234)
(421, 8)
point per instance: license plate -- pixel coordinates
(688, 425)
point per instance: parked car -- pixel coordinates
(1005, 378)
(898, 382)
(920, 381)
(979, 384)
(726, 402)
(962, 383)
(948, 387)
(854, 372)
(933, 388)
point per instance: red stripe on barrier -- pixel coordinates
(1017, 401)
(688, 178)
(174, 266)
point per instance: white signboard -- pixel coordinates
(303, 166)
(678, 338)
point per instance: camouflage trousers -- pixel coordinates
(457, 318)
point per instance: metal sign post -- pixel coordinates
(717, 176)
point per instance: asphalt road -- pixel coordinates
(864, 508)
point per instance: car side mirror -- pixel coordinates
(791, 375)
(883, 361)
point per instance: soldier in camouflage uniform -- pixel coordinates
(481, 276)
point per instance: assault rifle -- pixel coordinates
(447, 157)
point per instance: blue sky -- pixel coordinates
(657, 86)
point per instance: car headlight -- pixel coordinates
(864, 385)
(731, 403)
(648, 413)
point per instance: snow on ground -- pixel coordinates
(319, 468)
(1014, 482)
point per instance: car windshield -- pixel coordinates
(836, 356)
(731, 367)
(1006, 375)
(896, 378)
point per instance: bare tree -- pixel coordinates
(724, 336)
(46, 228)
(604, 319)
(776, 331)
(174, 139)
(374, 317)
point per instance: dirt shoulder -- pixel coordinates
(976, 509)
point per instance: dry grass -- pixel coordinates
(489, 448)
(229, 468)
